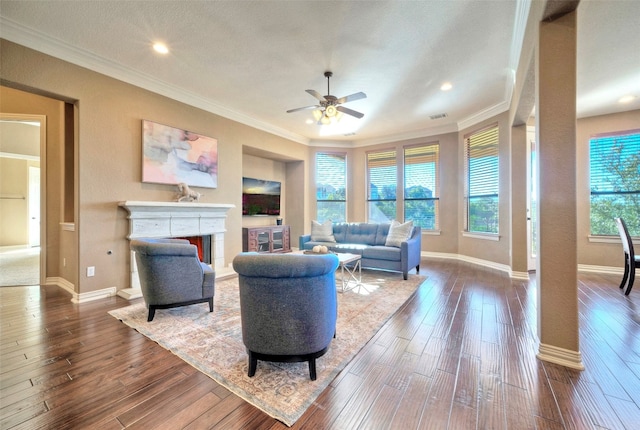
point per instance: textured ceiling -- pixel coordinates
(251, 61)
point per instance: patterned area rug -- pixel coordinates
(212, 342)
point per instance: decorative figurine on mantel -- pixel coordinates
(186, 194)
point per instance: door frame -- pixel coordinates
(42, 119)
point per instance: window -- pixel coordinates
(615, 182)
(482, 181)
(421, 185)
(382, 180)
(331, 187)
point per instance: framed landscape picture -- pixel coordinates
(172, 155)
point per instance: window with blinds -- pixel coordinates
(614, 161)
(382, 180)
(331, 186)
(421, 185)
(482, 181)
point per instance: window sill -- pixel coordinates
(431, 232)
(68, 226)
(483, 236)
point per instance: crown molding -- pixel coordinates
(414, 134)
(485, 114)
(38, 41)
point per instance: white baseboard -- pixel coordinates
(561, 356)
(480, 262)
(601, 269)
(82, 297)
(519, 275)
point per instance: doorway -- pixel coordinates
(22, 140)
(532, 199)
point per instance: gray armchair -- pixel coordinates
(288, 306)
(172, 275)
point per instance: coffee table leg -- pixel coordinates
(352, 276)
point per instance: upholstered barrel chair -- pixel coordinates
(171, 274)
(288, 306)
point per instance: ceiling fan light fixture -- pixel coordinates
(326, 111)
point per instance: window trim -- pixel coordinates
(369, 200)
(435, 192)
(467, 198)
(344, 155)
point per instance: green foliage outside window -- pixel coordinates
(615, 183)
(331, 187)
(483, 214)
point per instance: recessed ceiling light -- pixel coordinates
(161, 48)
(446, 86)
(626, 99)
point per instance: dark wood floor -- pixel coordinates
(459, 355)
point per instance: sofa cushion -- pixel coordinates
(340, 231)
(351, 248)
(390, 253)
(381, 236)
(322, 232)
(362, 233)
(398, 233)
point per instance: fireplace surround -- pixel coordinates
(172, 219)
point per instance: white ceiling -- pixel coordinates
(251, 61)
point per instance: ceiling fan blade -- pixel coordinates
(349, 111)
(352, 97)
(316, 94)
(303, 108)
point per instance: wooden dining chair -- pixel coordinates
(631, 261)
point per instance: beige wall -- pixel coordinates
(20, 149)
(14, 191)
(109, 158)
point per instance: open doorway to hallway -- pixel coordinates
(532, 200)
(21, 138)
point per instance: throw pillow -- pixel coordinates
(398, 233)
(322, 232)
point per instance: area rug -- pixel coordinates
(212, 342)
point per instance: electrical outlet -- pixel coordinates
(91, 271)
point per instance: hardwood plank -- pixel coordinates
(437, 411)
(359, 404)
(411, 405)
(519, 413)
(382, 409)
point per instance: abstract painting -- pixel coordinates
(172, 155)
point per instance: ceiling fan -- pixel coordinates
(330, 106)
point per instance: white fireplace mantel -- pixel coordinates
(175, 219)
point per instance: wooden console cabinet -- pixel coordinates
(274, 238)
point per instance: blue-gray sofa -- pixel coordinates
(370, 241)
